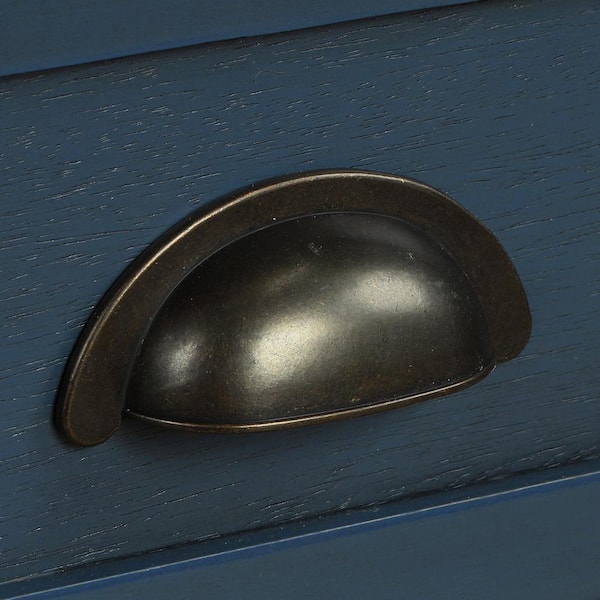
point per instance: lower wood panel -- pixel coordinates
(494, 103)
(533, 536)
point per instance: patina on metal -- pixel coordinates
(320, 296)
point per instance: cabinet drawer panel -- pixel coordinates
(494, 103)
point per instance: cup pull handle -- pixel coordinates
(315, 297)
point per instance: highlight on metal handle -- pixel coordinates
(319, 296)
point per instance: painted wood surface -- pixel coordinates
(531, 536)
(43, 34)
(494, 103)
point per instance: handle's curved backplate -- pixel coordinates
(319, 296)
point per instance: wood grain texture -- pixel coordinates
(43, 34)
(494, 103)
(531, 536)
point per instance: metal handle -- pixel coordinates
(316, 297)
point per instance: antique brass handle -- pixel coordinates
(320, 296)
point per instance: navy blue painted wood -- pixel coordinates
(522, 538)
(494, 103)
(41, 34)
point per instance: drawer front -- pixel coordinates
(493, 103)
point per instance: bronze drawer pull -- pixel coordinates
(320, 296)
